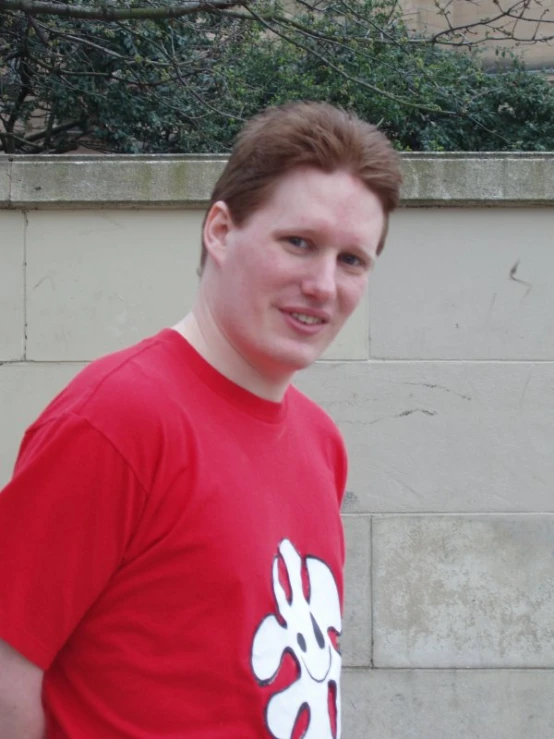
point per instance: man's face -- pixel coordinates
(287, 279)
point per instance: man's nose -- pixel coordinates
(320, 280)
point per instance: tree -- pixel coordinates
(182, 76)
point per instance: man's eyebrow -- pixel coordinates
(298, 228)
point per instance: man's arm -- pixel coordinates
(21, 714)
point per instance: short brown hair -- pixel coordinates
(318, 135)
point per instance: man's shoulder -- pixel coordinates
(115, 382)
(126, 393)
(126, 399)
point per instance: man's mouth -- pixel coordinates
(303, 318)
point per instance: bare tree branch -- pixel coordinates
(109, 13)
(492, 25)
(37, 135)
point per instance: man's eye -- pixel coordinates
(352, 260)
(297, 241)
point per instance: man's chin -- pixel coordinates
(282, 359)
(297, 361)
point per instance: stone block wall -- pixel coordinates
(442, 384)
(424, 16)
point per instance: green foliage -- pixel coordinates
(187, 85)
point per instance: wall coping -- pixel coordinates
(185, 181)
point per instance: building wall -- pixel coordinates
(442, 384)
(530, 31)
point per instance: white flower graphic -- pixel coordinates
(305, 634)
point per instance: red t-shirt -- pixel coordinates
(171, 554)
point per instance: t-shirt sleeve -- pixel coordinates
(66, 518)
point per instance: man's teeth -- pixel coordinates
(303, 318)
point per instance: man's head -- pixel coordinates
(294, 228)
(305, 134)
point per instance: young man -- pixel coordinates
(171, 552)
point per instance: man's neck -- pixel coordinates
(203, 334)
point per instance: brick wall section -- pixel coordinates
(443, 385)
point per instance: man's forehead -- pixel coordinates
(350, 209)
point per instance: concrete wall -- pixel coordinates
(443, 385)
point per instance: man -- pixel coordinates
(171, 552)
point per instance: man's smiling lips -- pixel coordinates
(307, 320)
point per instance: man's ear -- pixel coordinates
(217, 227)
